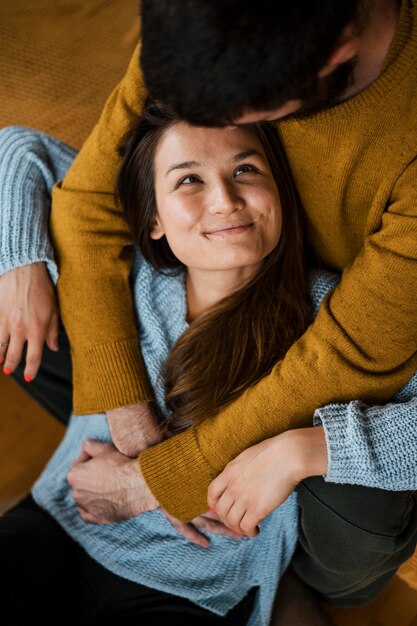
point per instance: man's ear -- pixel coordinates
(346, 48)
(157, 231)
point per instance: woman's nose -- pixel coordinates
(224, 200)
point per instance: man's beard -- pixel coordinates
(329, 91)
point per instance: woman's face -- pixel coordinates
(217, 202)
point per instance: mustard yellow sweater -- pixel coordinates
(355, 167)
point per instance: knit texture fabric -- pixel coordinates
(374, 446)
(355, 168)
(30, 164)
(364, 448)
(147, 549)
(367, 445)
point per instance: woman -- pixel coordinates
(220, 292)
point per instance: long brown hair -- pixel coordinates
(237, 341)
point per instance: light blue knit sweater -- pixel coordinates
(147, 549)
(374, 446)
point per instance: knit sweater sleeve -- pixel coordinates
(94, 252)
(31, 162)
(375, 446)
(362, 345)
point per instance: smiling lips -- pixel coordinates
(233, 229)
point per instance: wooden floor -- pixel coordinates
(28, 436)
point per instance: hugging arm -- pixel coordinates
(352, 443)
(93, 289)
(362, 344)
(30, 164)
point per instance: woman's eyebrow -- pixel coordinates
(190, 164)
(244, 155)
(183, 166)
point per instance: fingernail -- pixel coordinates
(56, 345)
(7, 371)
(213, 511)
(28, 379)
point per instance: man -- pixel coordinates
(341, 77)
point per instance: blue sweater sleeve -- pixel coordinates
(374, 446)
(31, 162)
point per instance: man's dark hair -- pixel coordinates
(211, 60)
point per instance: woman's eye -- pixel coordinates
(246, 169)
(188, 180)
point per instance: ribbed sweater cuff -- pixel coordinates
(178, 475)
(109, 376)
(8, 264)
(346, 462)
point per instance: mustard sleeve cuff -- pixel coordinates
(178, 475)
(108, 376)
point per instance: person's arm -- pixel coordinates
(31, 162)
(374, 446)
(352, 443)
(93, 250)
(362, 344)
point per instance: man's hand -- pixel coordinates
(28, 312)
(134, 428)
(262, 477)
(108, 486)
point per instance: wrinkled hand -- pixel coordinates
(263, 476)
(134, 428)
(28, 312)
(208, 522)
(108, 486)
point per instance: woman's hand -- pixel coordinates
(262, 477)
(208, 522)
(28, 312)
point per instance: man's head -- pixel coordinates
(221, 61)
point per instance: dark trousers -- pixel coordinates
(352, 539)
(44, 575)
